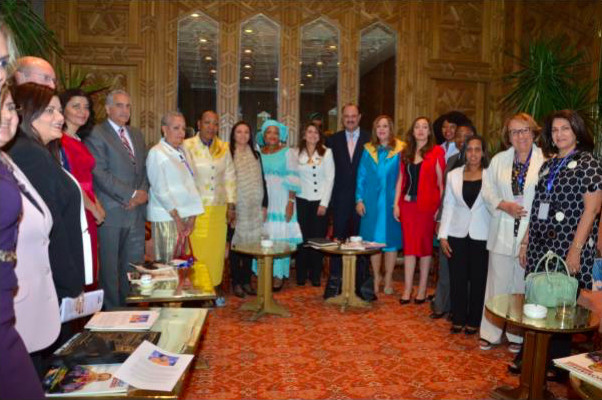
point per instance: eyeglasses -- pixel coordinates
(522, 131)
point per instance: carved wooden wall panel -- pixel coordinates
(118, 77)
(101, 21)
(458, 33)
(450, 54)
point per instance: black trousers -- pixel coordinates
(240, 268)
(345, 223)
(467, 276)
(309, 261)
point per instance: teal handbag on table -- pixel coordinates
(550, 288)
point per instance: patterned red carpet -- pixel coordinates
(386, 352)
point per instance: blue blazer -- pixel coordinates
(376, 179)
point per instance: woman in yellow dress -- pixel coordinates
(215, 179)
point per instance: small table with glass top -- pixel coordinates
(180, 330)
(168, 292)
(348, 298)
(264, 303)
(537, 333)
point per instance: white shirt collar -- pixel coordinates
(115, 126)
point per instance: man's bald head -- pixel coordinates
(35, 69)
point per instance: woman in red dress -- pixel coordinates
(417, 199)
(79, 120)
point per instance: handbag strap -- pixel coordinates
(549, 256)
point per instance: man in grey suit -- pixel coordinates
(121, 185)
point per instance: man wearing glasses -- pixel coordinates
(34, 69)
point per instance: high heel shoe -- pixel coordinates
(419, 301)
(404, 301)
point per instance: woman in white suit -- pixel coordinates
(508, 191)
(463, 237)
(173, 201)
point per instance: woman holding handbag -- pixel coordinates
(173, 201)
(564, 215)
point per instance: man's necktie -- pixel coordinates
(351, 146)
(125, 142)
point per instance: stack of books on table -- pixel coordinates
(586, 366)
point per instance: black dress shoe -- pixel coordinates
(437, 315)
(249, 289)
(455, 329)
(515, 367)
(238, 292)
(403, 302)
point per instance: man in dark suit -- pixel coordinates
(121, 185)
(347, 146)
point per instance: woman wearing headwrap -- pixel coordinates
(280, 166)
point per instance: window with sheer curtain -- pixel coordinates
(377, 73)
(198, 51)
(319, 72)
(259, 68)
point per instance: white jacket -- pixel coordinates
(457, 220)
(171, 184)
(498, 187)
(317, 177)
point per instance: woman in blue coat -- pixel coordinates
(375, 196)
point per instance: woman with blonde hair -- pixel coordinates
(508, 191)
(377, 176)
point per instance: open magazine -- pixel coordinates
(83, 380)
(587, 366)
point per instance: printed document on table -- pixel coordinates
(122, 320)
(152, 368)
(92, 304)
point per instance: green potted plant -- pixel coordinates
(552, 76)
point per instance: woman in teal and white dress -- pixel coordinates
(281, 172)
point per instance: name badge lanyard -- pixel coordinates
(554, 172)
(183, 159)
(522, 173)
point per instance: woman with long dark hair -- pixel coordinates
(316, 170)
(565, 212)
(35, 151)
(77, 159)
(251, 204)
(417, 199)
